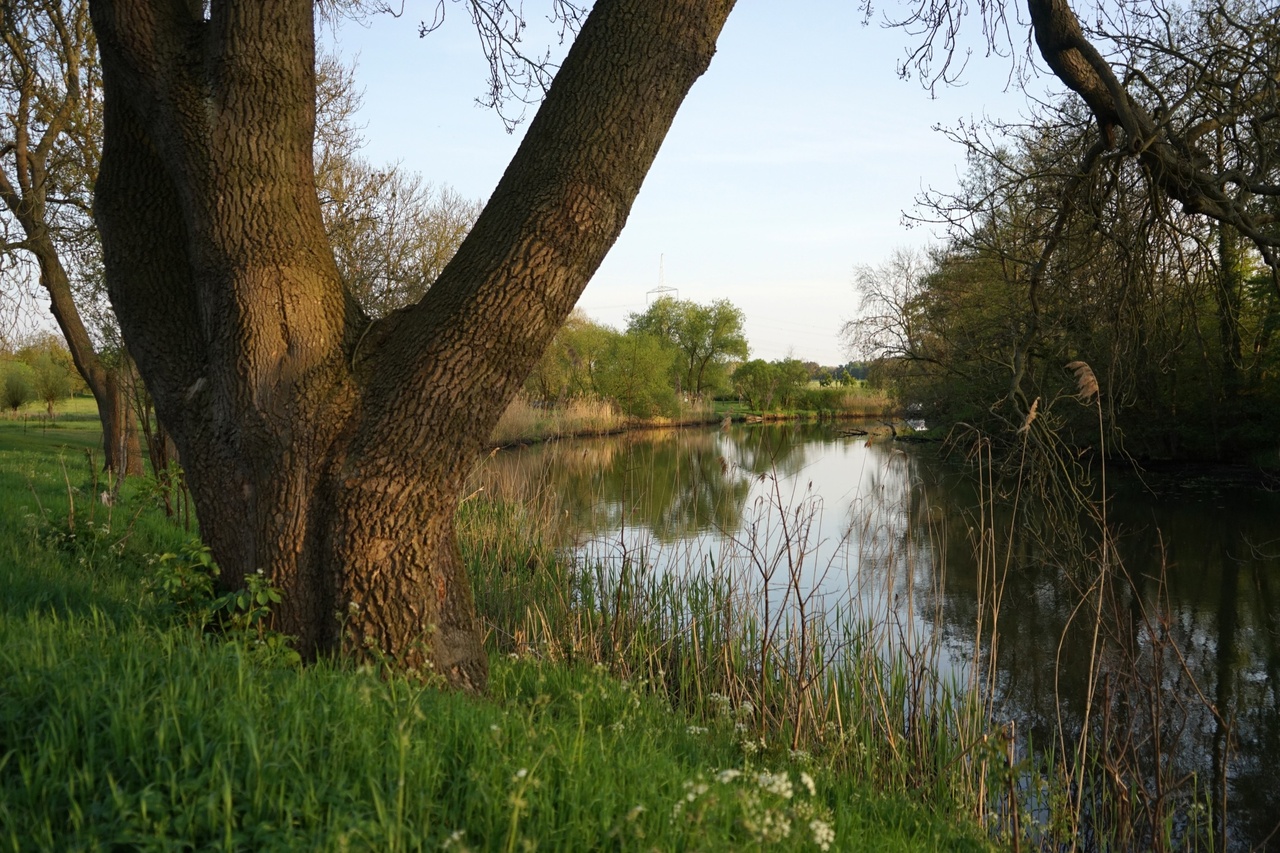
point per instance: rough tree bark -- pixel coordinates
(322, 448)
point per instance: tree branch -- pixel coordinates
(561, 204)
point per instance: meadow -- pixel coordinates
(141, 709)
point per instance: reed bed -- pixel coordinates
(852, 401)
(525, 421)
(844, 661)
(743, 639)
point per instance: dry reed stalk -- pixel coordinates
(1031, 415)
(1086, 382)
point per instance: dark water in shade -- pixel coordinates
(898, 525)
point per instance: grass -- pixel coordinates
(815, 401)
(124, 725)
(857, 682)
(75, 428)
(523, 422)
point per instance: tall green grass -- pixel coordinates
(125, 725)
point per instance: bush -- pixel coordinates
(19, 385)
(634, 373)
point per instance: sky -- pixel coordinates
(790, 163)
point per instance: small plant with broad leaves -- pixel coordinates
(186, 583)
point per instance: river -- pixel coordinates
(1189, 636)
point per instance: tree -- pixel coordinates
(325, 447)
(764, 384)
(1228, 51)
(634, 371)
(706, 337)
(392, 233)
(886, 326)
(52, 381)
(756, 382)
(50, 89)
(1194, 102)
(19, 385)
(793, 376)
(1046, 265)
(569, 366)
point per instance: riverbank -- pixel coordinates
(525, 423)
(128, 720)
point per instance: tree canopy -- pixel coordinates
(705, 337)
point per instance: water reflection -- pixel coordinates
(671, 483)
(1190, 656)
(1189, 639)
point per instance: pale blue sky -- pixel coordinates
(790, 162)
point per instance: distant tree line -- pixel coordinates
(674, 350)
(39, 370)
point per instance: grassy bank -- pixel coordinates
(613, 721)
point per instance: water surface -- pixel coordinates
(1192, 641)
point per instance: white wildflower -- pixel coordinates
(724, 777)
(823, 834)
(776, 783)
(807, 781)
(696, 730)
(693, 790)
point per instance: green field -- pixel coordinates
(127, 721)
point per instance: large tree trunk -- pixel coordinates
(322, 448)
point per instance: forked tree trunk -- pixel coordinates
(322, 448)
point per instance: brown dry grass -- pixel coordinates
(523, 421)
(867, 402)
